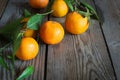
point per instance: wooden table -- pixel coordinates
(94, 55)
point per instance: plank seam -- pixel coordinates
(46, 58)
(106, 44)
(3, 9)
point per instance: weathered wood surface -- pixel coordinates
(110, 12)
(80, 57)
(77, 57)
(13, 11)
(2, 6)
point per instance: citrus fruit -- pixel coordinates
(38, 3)
(59, 8)
(28, 49)
(24, 20)
(51, 32)
(75, 23)
(30, 33)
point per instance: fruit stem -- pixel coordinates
(87, 14)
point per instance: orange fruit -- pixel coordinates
(24, 20)
(51, 32)
(30, 33)
(38, 3)
(75, 23)
(28, 49)
(59, 8)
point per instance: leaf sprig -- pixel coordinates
(78, 6)
(27, 72)
(15, 30)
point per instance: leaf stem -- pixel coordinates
(46, 13)
(4, 46)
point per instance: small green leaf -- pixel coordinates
(27, 13)
(69, 5)
(27, 72)
(9, 56)
(9, 28)
(90, 8)
(34, 21)
(3, 64)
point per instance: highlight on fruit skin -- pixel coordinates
(51, 32)
(28, 49)
(59, 8)
(75, 23)
(38, 3)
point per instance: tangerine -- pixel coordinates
(75, 23)
(38, 3)
(28, 49)
(59, 8)
(51, 32)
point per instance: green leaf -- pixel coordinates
(69, 4)
(91, 9)
(9, 28)
(16, 41)
(27, 72)
(27, 13)
(3, 64)
(16, 44)
(34, 21)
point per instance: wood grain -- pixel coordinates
(110, 10)
(2, 6)
(80, 57)
(77, 57)
(13, 11)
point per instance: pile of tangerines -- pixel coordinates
(50, 32)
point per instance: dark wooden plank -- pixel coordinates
(110, 12)
(2, 6)
(80, 57)
(13, 11)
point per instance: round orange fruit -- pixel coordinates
(51, 32)
(75, 23)
(59, 8)
(28, 49)
(38, 3)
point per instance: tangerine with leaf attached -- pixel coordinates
(28, 49)
(28, 32)
(75, 23)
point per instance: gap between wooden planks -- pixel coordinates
(80, 57)
(109, 11)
